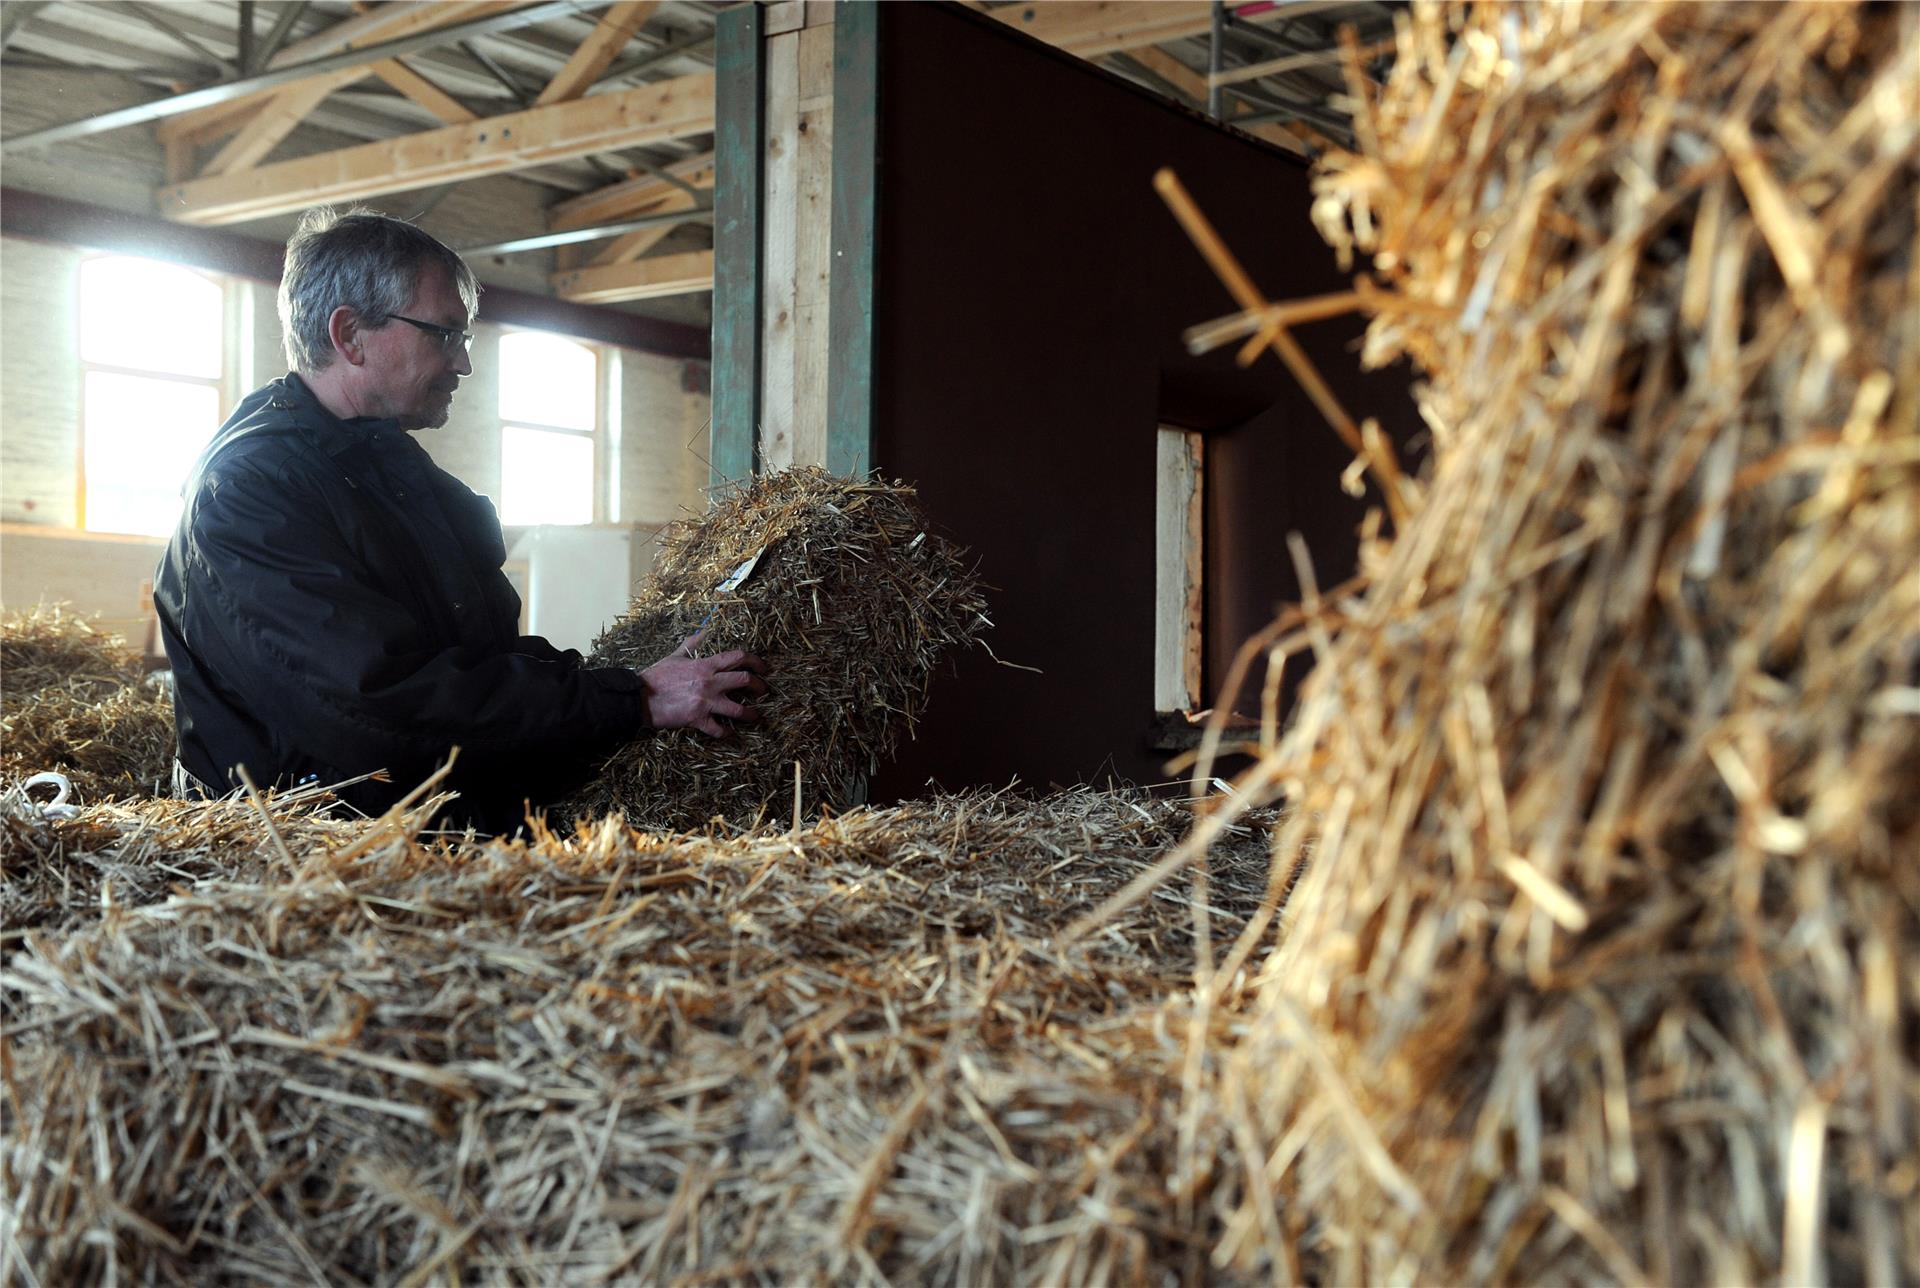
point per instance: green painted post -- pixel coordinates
(738, 143)
(856, 119)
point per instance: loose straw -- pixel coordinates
(1274, 334)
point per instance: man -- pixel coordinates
(333, 602)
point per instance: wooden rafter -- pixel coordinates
(643, 279)
(1194, 86)
(388, 22)
(273, 121)
(640, 195)
(1091, 28)
(653, 113)
(596, 53)
(628, 247)
(449, 110)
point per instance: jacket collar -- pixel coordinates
(323, 429)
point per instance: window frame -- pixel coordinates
(595, 436)
(221, 384)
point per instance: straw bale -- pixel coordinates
(854, 603)
(74, 699)
(60, 874)
(845, 1052)
(1606, 964)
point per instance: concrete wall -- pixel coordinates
(652, 471)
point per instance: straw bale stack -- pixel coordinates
(854, 602)
(75, 700)
(1606, 965)
(844, 1052)
(60, 874)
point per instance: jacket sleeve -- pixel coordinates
(345, 672)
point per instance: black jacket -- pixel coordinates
(333, 603)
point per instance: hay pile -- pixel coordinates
(845, 1052)
(1607, 964)
(75, 700)
(64, 874)
(854, 602)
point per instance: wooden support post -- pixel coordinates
(1179, 537)
(738, 139)
(856, 138)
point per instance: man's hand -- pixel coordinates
(684, 691)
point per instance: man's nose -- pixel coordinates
(462, 361)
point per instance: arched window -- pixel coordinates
(152, 347)
(549, 412)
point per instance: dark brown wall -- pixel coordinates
(1031, 289)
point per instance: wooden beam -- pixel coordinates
(1095, 27)
(596, 53)
(274, 122)
(1098, 27)
(852, 376)
(209, 123)
(388, 22)
(629, 197)
(1179, 535)
(643, 279)
(449, 110)
(628, 247)
(631, 246)
(654, 113)
(181, 160)
(75, 223)
(1193, 85)
(739, 47)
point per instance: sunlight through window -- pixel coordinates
(549, 409)
(151, 340)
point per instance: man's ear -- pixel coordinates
(345, 329)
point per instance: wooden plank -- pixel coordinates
(209, 123)
(631, 246)
(1096, 27)
(816, 67)
(596, 53)
(628, 247)
(741, 133)
(784, 16)
(1171, 70)
(643, 279)
(855, 218)
(275, 121)
(387, 22)
(813, 270)
(1091, 28)
(813, 253)
(649, 114)
(1179, 535)
(181, 159)
(638, 195)
(1292, 62)
(450, 110)
(1193, 85)
(780, 179)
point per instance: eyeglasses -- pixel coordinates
(449, 338)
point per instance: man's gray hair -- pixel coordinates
(364, 260)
